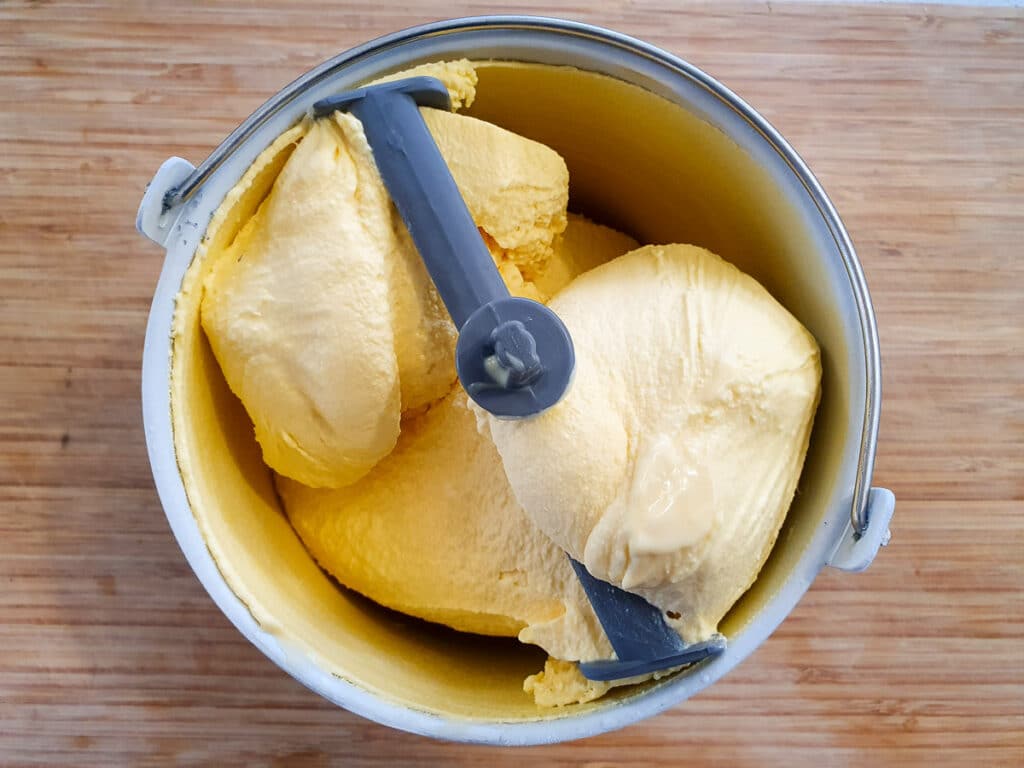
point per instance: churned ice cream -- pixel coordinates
(321, 313)
(667, 469)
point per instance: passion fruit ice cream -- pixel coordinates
(667, 469)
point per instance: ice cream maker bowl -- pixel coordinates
(656, 148)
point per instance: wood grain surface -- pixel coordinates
(112, 654)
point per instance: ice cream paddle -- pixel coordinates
(514, 356)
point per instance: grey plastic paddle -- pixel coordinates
(642, 639)
(514, 356)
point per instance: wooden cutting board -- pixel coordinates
(110, 651)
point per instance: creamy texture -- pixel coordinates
(583, 246)
(434, 530)
(321, 312)
(670, 464)
(665, 506)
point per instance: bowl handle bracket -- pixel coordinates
(855, 553)
(154, 219)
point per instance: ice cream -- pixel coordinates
(434, 529)
(583, 246)
(668, 469)
(321, 313)
(669, 466)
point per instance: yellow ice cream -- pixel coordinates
(583, 246)
(434, 530)
(321, 312)
(669, 466)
